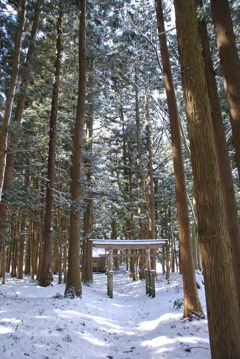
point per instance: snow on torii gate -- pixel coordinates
(146, 244)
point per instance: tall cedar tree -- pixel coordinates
(141, 225)
(45, 277)
(224, 161)
(230, 66)
(11, 93)
(73, 285)
(87, 273)
(213, 234)
(4, 131)
(192, 304)
(14, 136)
(151, 202)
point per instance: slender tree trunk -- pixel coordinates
(139, 165)
(46, 262)
(224, 162)
(11, 92)
(21, 247)
(151, 200)
(230, 66)
(151, 205)
(114, 236)
(5, 124)
(27, 68)
(58, 263)
(15, 242)
(141, 225)
(87, 271)
(27, 256)
(32, 249)
(213, 235)
(65, 254)
(73, 285)
(13, 142)
(3, 223)
(192, 305)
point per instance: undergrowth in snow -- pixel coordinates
(40, 323)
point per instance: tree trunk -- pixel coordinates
(3, 223)
(192, 305)
(13, 142)
(230, 66)
(11, 92)
(58, 244)
(32, 249)
(141, 225)
(21, 247)
(151, 202)
(224, 162)
(65, 254)
(6, 121)
(46, 262)
(15, 244)
(73, 285)
(213, 235)
(114, 236)
(87, 271)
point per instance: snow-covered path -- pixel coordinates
(39, 323)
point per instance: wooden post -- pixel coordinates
(150, 277)
(152, 283)
(163, 259)
(148, 259)
(147, 281)
(167, 261)
(110, 274)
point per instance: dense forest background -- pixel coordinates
(88, 102)
(123, 72)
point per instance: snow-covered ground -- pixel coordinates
(40, 323)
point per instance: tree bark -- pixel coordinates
(230, 66)
(213, 235)
(13, 140)
(151, 202)
(141, 224)
(192, 305)
(11, 93)
(21, 247)
(15, 243)
(73, 285)
(46, 277)
(224, 161)
(6, 121)
(87, 271)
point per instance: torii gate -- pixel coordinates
(147, 244)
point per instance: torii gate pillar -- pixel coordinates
(110, 274)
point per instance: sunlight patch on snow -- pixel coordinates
(95, 341)
(11, 320)
(122, 305)
(159, 341)
(96, 319)
(5, 330)
(163, 342)
(153, 324)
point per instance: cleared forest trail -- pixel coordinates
(39, 323)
